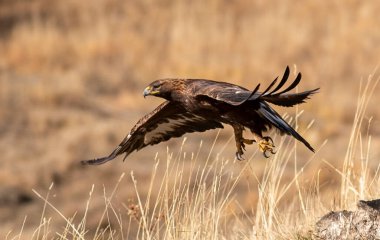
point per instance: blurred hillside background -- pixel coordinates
(72, 75)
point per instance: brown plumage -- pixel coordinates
(197, 105)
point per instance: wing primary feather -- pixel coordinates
(283, 80)
(269, 87)
(98, 161)
(293, 85)
(252, 93)
(288, 100)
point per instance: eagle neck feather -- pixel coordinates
(178, 90)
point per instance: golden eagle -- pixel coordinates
(197, 105)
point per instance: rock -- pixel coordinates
(363, 223)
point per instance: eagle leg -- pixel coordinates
(266, 145)
(238, 131)
(240, 142)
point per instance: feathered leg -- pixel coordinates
(240, 141)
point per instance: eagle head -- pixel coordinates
(163, 88)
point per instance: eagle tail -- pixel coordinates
(289, 100)
(98, 161)
(276, 120)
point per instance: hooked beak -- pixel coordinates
(150, 91)
(147, 91)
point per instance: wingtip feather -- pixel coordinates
(307, 144)
(99, 161)
(96, 161)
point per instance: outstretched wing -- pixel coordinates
(236, 95)
(168, 120)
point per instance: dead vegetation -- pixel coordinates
(71, 76)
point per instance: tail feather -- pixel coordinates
(276, 120)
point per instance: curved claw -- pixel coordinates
(243, 146)
(239, 156)
(272, 151)
(265, 153)
(268, 150)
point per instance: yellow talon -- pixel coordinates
(266, 145)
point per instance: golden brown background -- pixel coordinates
(72, 75)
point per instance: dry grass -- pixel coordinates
(71, 75)
(200, 202)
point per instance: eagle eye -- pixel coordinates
(156, 85)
